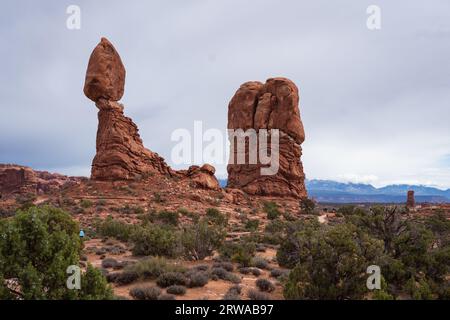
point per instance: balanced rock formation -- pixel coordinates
(273, 105)
(410, 201)
(15, 179)
(121, 154)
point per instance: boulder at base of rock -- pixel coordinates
(203, 177)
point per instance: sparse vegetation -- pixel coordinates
(240, 252)
(265, 285)
(198, 279)
(155, 240)
(252, 225)
(216, 217)
(258, 295)
(233, 293)
(272, 210)
(171, 278)
(145, 293)
(176, 289)
(113, 228)
(307, 206)
(200, 239)
(153, 267)
(85, 203)
(260, 262)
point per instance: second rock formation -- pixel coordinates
(273, 105)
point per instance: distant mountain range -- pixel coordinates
(338, 192)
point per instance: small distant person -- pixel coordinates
(81, 233)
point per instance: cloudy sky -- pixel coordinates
(375, 103)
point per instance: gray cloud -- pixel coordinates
(375, 104)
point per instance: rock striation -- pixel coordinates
(270, 105)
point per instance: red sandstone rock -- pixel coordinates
(105, 75)
(121, 154)
(15, 179)
(203, 177)
(273, 105)
(410, 201)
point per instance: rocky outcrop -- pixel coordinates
(273, 105)
(15, 179)
(203, 177)
(410, 200)
(121, 154)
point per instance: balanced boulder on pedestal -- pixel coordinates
(120, 151)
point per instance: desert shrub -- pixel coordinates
(265, 285)
(126, 277)
(274, 232)
(228, 266)
(198, 279)
(233, 293)
(168, 217)
(244, 270)
(419, 290)
(278, 273)
(109, 263)
(153, 267)
(86, 203)
(223, 274)
(145, 293)
(176, 289)
(113, 228)
(258, 295)
(127, 209)
(201, 267)
(216, 217)
(240, 252)
(272, 210)
(307, 205)
(233, 278)
(40, 244)
(252, 225)
(26, 201)
(155, 240)
(298, 236)
(289, 216)
(199, 240)
(220, 272)
(165, 296)
(329, 258)
(260, 262)
(171, 278)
